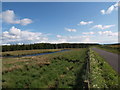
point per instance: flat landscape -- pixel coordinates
(61, 44)
(58, 70)
(72, 68)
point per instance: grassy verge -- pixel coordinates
(110, 49)
(58, 70)
(28, 52)
(101, 73)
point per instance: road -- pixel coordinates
(111, 58)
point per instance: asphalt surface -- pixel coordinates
(111, 58)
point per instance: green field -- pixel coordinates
(76, 68)
(58, 70)
(111, 48)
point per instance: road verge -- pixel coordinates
(101, 73)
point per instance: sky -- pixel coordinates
(59, 22)
(60, 0)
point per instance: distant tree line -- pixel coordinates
(44, 46)
(111, 46)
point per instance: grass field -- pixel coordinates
(66, 69)
(28, 52)
(111, 48)
(58, 70)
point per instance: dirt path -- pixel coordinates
(111, 58)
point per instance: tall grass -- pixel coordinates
(58, 70)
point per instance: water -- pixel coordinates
(38, 54)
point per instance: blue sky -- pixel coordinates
(87, 22)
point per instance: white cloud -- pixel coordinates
(15, 31)
(85, 23)
(110, 9)
(108, 33)
(58, 36)
(74, 39)
(25, 21)
(104, 37)
(18, 36)
(98, 37)
(9, 16)
(88, 33)
(107, 37)
(15, 35)
(70, 30)
(102, 11)
(102, 26)
(58, 41)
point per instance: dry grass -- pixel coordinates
(28, 52)
(10, 64)
(15, 67)
(115, 46)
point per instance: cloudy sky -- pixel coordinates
(83, 22)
